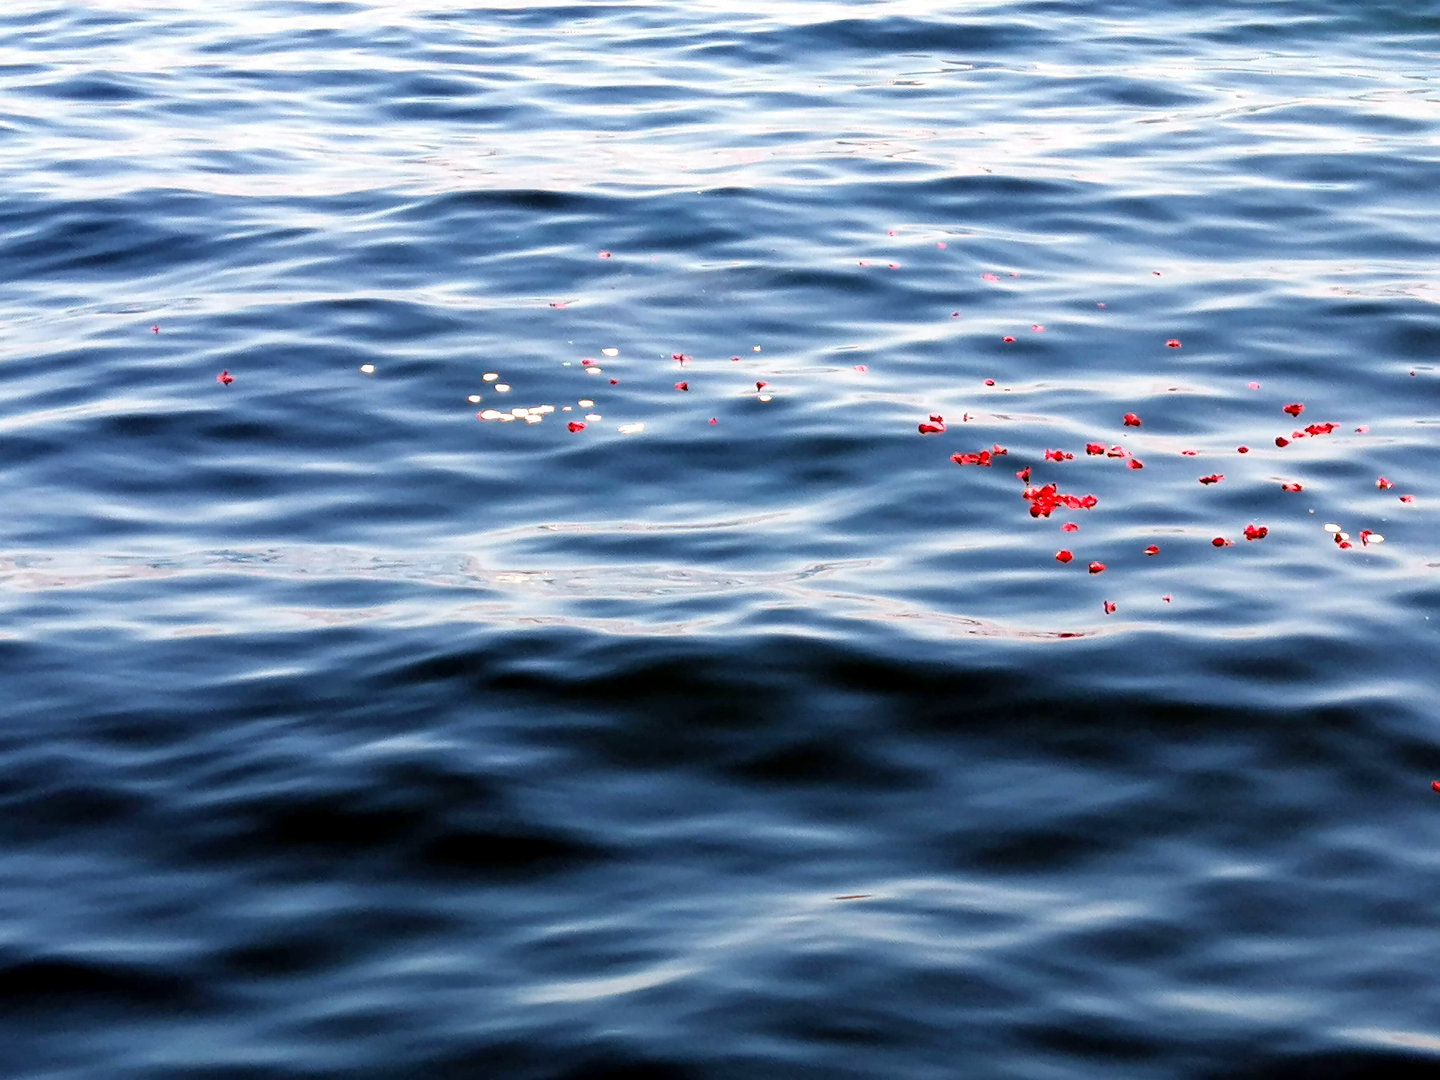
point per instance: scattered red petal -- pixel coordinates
(1008, 339)
(1242, 449)
(1343, 543)
(1362, 429)
(575, 425)
(1435, 784)
(1097, 568)
(1117, 452)
(1365, 535)
(1407, 498)
(155, 329)
(587, 362)
(1280, 440)
(1320, 429)
(1037, 328)
(998, 449)
(1024, 474)
(713, 420)
(1152, 550)
(682, 357)
(1131, 420)
(989, 382)
(1256, 532)
(1135, 463)
(614, 382)
(987, 276)
(604, 254)
(1220, 541)
(1059, 455)
(1155, 272)
(934, 426)
(1295, 408)
(1069, 526)
(736, 360)
(941, 244)
(1063, 556)
(858, 367)
(894, 266)
(1253, 385)
(1291, 487)
(1189, 453)
(225, 378)
(1173, 343)
(1383, 484)
(760, 385)
(1109, 608)
(682, 386)
(1094, 449)
(1213, 478)
(1166, 598)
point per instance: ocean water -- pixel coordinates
(355, 726)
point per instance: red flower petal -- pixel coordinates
(1069, 526)
(1063, 556)
(1256, 532)
(225, 378)
(761, 386)
(1280, 440)
(1213, 478)
(1152, 550)
(1094, 449)
(1220, 541)
(1291, 487)
(1097, 568)
(1007, 339)
(1109, 608)
(1189, 453)
(1407, 498)
(989, 382)
(1295, 408)
(682, 386)
(1131, 420)
(1383, 484)
(1174, 343)
(575, 425)
(1135, 463)
(1242, 449)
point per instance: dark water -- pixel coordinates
(348, 735)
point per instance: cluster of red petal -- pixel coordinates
(1256, 532)
(1044, 501)
(1292, 487)
(934, 426)
(983, 457)
(1295, 408)
(1131, 420)
(1059, 455)
(1383, 484)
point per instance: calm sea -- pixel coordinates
(476, 599)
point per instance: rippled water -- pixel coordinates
(350, 735)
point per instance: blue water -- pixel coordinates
(349, 735)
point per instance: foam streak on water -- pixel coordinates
(739, 732)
